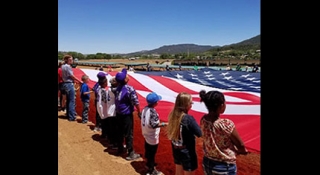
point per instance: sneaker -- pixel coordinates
(133, 156)
(72, 120)
(155, 172)
(96, 129)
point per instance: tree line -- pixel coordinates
(246, 52)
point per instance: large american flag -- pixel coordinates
(241, 89)
(230, 80)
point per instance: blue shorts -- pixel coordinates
(62, 91)
(186, 158)
(212, 167)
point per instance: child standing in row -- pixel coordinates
(182, 129)
(101, 76)
(85, 98)
(150, 125)
(221, 141)
(102, 106)
(111, 119)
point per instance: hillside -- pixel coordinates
(251, 44)
(252, 41)
(193, 48)
(175, 49)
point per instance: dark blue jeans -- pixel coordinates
(85, 111)
(212, 167)
(70, 104)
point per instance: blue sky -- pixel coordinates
(124, 26)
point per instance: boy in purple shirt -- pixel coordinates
(125, 100)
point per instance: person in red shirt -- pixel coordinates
(110, 68)
(61, 93)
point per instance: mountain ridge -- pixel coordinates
(192, 48)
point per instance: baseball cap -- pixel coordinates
(153, 97)
(121, 76)
(102, 75)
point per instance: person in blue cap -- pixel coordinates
(126, 100)
(150, 126)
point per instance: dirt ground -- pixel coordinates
(82, 152)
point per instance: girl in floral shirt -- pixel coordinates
(221, 141)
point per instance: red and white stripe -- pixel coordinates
(243, 108)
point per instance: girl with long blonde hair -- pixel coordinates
(181, 130)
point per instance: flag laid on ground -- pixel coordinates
(243, 107)
(230, 80)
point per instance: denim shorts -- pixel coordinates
(62, 90)
(212, 167)
(186, 158)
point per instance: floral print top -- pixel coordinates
(217, 144)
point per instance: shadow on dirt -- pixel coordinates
(97, 137)
(62, 116)
(139, 167)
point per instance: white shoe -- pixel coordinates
(96, 129)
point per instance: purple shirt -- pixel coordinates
(125, 99)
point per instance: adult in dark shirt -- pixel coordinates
(182, 129)
(255, 68)
(167, 68)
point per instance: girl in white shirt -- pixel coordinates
(111, 119)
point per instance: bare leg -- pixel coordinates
(189, 172)
(179, 170)
(63, 104)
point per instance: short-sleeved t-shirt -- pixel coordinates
(66, 73)
(189, 128)
(60, 75)
(125, 99)
(149, 125)
(217, 144)
(111, 102)
(84, 97)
